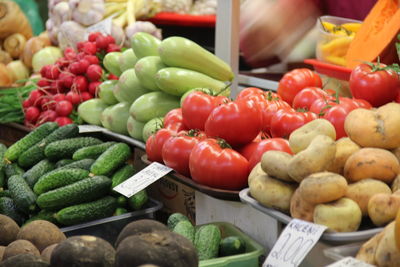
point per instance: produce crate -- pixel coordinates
(366, 231)
(340, 252)
(251, 258)
(109, 228)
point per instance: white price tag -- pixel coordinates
(294, 243)
(350, 262)
(90, 129)
(103, 26)
(142, 179)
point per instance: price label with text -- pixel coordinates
(350, 262)
(293, 245)
(90, 129)
(142, 179)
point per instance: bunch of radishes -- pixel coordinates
(72, 80)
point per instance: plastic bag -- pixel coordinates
(31, 10)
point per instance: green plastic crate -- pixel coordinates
(248, 259)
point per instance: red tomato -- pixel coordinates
(306, 97)
(337, 115)
(176, 151)
(270, 110)
(320, 105)
(265, 145)
(363, 103)
(173, 120)
(251, 93)
(237, 122)
(309, 116)
(296, 80)
(197, 106)
(374, 84)
(285, 121)
(212, 163)
(155, 143)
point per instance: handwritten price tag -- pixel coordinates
(103, 26)
(90, 129)
(293, 245)
(142, 179)
(350, 262)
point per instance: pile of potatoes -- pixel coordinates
(336, 183)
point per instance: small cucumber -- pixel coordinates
(36, 153)
(67, 147)
(120, 211)
(91, 152)
(79, 192)
(122, 201)
(5, 193)
(181, 52)
(8, 208)
(40, 169)
(43, 215)
(2, 179)
(186, 229)
(145, 44)
(175, 218)
(22, 194)
(59, 178)
(111, 159)
(84, 164)
(63, 162)
(15, 150)
(137, 201)
(101, 208)
(206, 241)
(146, 68)
(122, 174)
(3, 150)
(232, 245)
(13, 169)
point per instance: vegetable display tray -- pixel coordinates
(249, 259)
(339, 252)
(110, 227)
(366, 231)
(231, 195)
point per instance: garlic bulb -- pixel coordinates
(87, 12)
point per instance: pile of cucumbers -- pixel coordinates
(55, 174)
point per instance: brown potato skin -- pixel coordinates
(301, 209)
(8, 230)
(375, 128)
(323, 187)
(368, 249)
(386, 254)
(396, 184)
(345, 147)
(373, 163)
(382, 208)
(20, 247)
(275, 164)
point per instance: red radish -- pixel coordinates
(84, 64)
(58, 97)
(46, 103)
(94, 72)
(89, 48)
(66, 79)
(52, 72)
(92, 59)
(63, 121)
(101, 42)
(69, 51)
(76, 68)
(32, 114)
(113, 48)
(93, 35)
(94, 87)
(43, 83)
(44, 70)
(112, 77)
(73, 97)
(54, 88)
(86, 96)
(80, 55)
(26, 103)
(79, 46)
(35, 96)
(45, 116)
(64, 108)
(110, 39)
(80, 84)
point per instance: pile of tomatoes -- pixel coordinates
(73, 79)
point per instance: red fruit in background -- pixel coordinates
(155, 144)
(93, 35)
(113, 48)
(337, 115)
(94, 88)
(278, 144)
(80, 84)
(89, 48)
(45, 116)
(73, 97)
(94, 72)
(101, 42)
(64, 108)
(306, 97)
(112, 77)
(43, 84)
(86, 96)
(172, 117)
(110, 39)
(364, 103)
(91, 59)
(63, 121)
(285, 121)
(32, 114)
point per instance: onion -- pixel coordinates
(5, 57)
(5, 78)
(14, 44)
(18, 70)
(45, 56)
(32, 46)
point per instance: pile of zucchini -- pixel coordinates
(56, 175)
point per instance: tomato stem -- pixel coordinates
(222, 143)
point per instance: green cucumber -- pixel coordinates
(145, 44)
(122, 201)
(128, 88)
(8, 208)
(63, 162)
(137, 201)
(67, 147)
(120, 211)
(181, 52)
(59, 178)
(111, 159)
(101, 208)
(3, 150)
(232, 245)
(22, 194)
(206, 241)
(146, 68)
(177, 81)
(2, 179)
(5, 193)
(91, 152)
(13, 169)
(175, 218)
(152, 105)
(36, 153)
(76, 193)
(186, 229)
(43, 215)
(34, 137)
(122, 174)
(84, 164)
(41, 168)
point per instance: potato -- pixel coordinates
(374, 163)
(343, 215)
(315, 158)
(397, 230)
(24, 260)
(363, 190)
(386, 254)
(2, 248)
(396, 183)
(368, 249)
(275, 164)
(382, 208)
(322, 187)
(396, 152)
(344, 149)
(301, 209)
(8, 230)
(46, 253)
(257, 170)
(301, 138)
(375, 128)
(41, 233)
(20, 247)
(271, 192)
